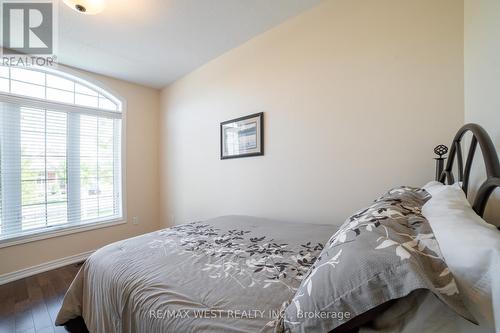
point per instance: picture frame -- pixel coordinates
(242, 137)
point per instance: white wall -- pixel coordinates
(142, 140)
(482, 79)
(356, 94)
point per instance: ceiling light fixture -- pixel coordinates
(89, 7)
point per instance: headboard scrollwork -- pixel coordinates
(490, 157)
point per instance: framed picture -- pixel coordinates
(242, 137)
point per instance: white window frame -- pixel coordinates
(77, 77)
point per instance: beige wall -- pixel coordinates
(142, 137)
(482, 78)
(356, 94)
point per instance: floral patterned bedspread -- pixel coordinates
(229, 274)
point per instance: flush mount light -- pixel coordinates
(89, 7)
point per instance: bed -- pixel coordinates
(248, 274)
(158, 282)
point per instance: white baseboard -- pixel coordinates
(47, 266)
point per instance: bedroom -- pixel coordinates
(125, 129)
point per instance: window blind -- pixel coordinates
(58, 168)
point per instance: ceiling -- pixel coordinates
(155, 42)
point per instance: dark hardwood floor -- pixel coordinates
(30, 305)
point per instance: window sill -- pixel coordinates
(59, 231)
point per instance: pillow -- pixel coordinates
(433, 187)
(471, 248)
(381, 253)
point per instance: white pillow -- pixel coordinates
(433, 187)
(471, 248)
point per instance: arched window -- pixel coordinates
(60, 154)
(55, 86)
